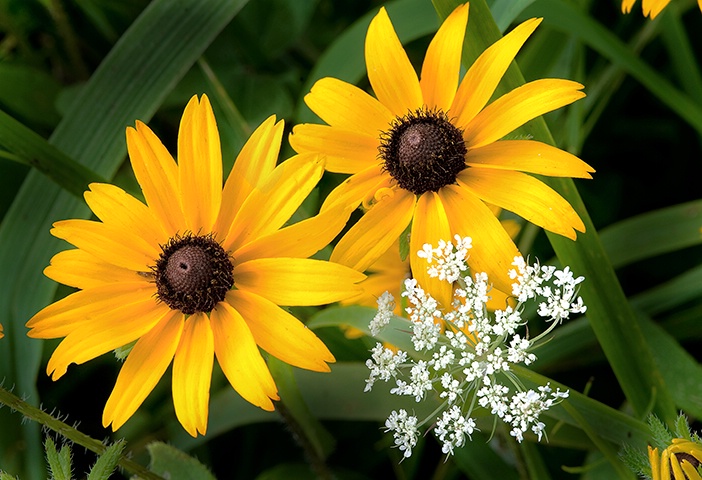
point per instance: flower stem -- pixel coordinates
(72, 434)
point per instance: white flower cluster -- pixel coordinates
(466, 352)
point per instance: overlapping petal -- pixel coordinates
(199, 166)
(526, 196)
(144, 367)
(157, 174)
(253, 165)
(279, 333)
(356, 188)
(529, 156)
(268, 207)
(390, 72)
(297, 281)
(485, 73)
(375, 231)
(514, 109)
(347, 151)
(192, 372)
(238, 355)
(429, 225)
(347, 107)
(79, 269)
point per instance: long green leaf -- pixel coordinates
(132, 81)
(612, 319)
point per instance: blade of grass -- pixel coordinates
(131, 82)
(610, 314)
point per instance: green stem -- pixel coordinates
(75, 436)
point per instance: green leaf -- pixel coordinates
(171, 463)
(107, 461)
(653, 233)
(29, 94)
(59, 461)
(131, 82)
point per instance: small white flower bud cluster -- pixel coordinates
(467, 352)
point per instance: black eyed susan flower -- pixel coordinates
(650, 8)
(197, 272)
(679, 461)
(428, 150)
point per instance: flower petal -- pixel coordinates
(199, 165)
(79, 269)
(485, 74)
(109, 243)
(253, 165)
(514, 109)
(653, 7)
(300, 240)
(377, 229)
(68, 314)
(524, 195)
(346, 151)
(116, 207)
(528, 156)
(144, 367)
(281, 334)
(356, 188)
(105, 332)
(157, 174)
(192, 372)
(347, 107)
(442, 63)
(429, 225)
(493, 251)
(297, 281)
(626, 5)
(240, 359)
(267, 208)
(390, 72)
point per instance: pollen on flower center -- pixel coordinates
(193, 273)
(423, 151)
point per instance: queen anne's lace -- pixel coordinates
(467, 352)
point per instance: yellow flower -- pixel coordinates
(426, 150)
(679, 461)
(197, 272)
(650, 8)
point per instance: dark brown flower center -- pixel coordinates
(423, 151)
(193, 273)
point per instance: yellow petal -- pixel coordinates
(240, 359)
(443, 61)
(345, 151)
(109, 243)
(626, 5)
(524, 195)
(145, 365)
(493, 251)
(253, 165)
(354, 189)
(192, 372)
(116, 207)
(157, 174)
(517, 107)
(70, 313)
(485, 74)
(199, 165)
(373, 234)
(79, 269)
(653, 7)
(267, 208)
(297, 281)
(103, 333)
(390, 72)
(429, 225)
(528, 156)
(281, 334)
(300, 240)
(347, 107)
